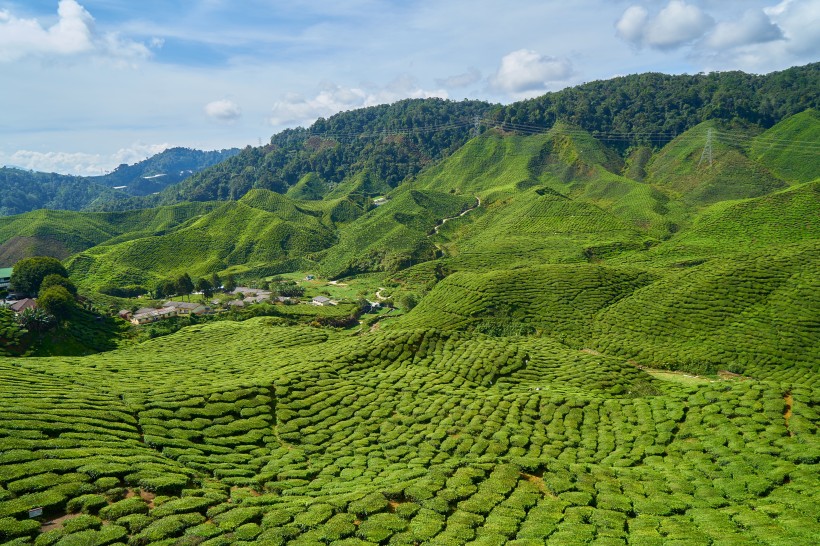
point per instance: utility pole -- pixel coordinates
(707, 150)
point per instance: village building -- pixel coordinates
(322, 301)
(152, 315)
(187, 308)
(5, 277)
(21, 305)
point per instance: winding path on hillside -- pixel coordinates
(445, 220)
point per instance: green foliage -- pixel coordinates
(56, 301)
(58, 280)
(29, 273)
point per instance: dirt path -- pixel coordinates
(445, 220)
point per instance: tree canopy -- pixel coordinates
(56, 301)
(29, 273)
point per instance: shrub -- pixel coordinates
(11, 528)
(124, 507)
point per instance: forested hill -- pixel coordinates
(372, 150)
(652, 108)
(23, 191)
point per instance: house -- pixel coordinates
(144, 316)
(245, 290)
(21, 305)
(236, 303)
(322, 301)
(187, 308)
(124, 314)
(5, 277)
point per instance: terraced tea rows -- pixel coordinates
(234, 433)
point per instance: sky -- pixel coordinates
(86, 85)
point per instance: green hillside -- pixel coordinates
(253, 232)
(795, 137)
(23, 191)
(683, 167)
(64, 233)
(582, 337)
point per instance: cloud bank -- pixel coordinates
(81, 164)
(73, 34)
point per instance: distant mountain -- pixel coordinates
(23, 191)
(163, 169)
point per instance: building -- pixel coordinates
(186, 308)
(21, 305)
(5, 277)
(146, 315)
(322, 301)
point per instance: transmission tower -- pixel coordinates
(476, 126)
(707, 150)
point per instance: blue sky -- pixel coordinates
(88, 84)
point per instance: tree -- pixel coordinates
(36, 320)
(204, 285)
(408, 301)
(184, 285)
(56, 301)
(58, 280)
(29, 273)
(230, 283)
(216, 282)
(165, 288)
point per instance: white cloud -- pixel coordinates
(781, 35)
(675, 25)
(526, 71)
(295, 109)
(79, 163)
(754, 27)
(800, 21)
(73, 33)
(632, 24)
(460, 80)
(223, 110)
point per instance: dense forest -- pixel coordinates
(653, 108)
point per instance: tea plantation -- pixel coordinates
(233, 433)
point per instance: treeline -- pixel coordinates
(648, 106)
